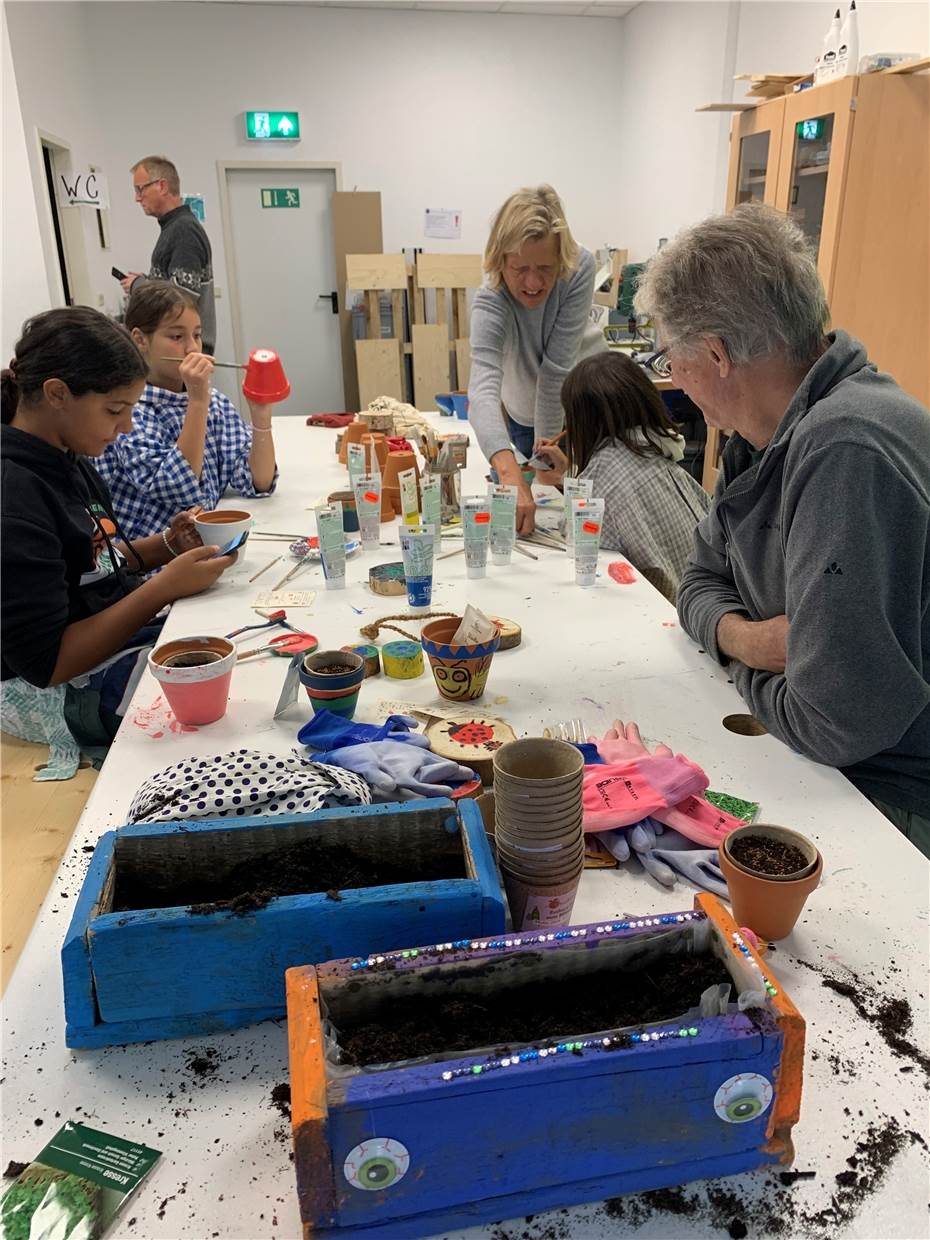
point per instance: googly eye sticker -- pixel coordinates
(743, 1097)
(376, 1163)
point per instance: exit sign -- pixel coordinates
(280, 197)
(272, 126)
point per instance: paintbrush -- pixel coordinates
(523, 551)
(226, 365)
(270, 564)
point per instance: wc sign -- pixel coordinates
(82, 189)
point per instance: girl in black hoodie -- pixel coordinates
(73, 595)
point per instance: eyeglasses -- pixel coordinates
(139, 190)
(660, 363)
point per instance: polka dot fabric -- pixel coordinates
(245, 782)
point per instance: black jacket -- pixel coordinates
(183, 256)
(57, 561)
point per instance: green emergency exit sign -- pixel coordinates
(280, 197)
(272, 126)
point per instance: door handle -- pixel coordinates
(332, 297)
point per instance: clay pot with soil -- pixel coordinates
(194, 674)
(770, 872)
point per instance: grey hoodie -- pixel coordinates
(831, 527)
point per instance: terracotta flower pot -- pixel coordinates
(265, 381)
(352, 434)
(769, 904)
(374, 442)
(395, 465)
(460, 671)
(194, 673)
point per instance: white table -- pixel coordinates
(610, 651)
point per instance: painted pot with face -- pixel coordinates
(460, 671)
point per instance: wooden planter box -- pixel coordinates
(165, 972)
(437, 1143)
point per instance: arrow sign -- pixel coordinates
(272, 126)
(284, 126)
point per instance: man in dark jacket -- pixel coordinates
(182, 253)
(810, 575)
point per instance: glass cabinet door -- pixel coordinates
(753, 167)
(814, 157)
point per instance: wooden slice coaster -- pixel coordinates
(387, 579)
(472, 740)
(370, 654)
(510, 631)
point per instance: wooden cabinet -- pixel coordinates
(850, 161)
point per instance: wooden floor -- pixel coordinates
(36, 823)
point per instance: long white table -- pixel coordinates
(614, 650)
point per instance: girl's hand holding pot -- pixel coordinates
(558, 465)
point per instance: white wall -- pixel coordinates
(25, 290)
(781, 36)
(432, 109)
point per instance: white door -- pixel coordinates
(285, 270)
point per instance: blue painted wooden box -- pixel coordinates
(165, 972)
(442, 1142)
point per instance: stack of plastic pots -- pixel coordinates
(538, 828)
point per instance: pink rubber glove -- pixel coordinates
(694, 817)
(619, 794)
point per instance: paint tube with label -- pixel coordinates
(367, 488)
(332, 544)
(431, 505)
(503, 522)
(574, 488)
(588, 521)
(409, 498)
(417, 543)
(476, 527)
(355, 457)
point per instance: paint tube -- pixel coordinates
(476, 528)
(416, 546)
(367, 490)
(355, 456)
(431, 505)
(574, 488)
(409, 499)
(332, 544)
(503, 522)
(587, 520)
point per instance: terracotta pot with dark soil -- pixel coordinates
(770, 872)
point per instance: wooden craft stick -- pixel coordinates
(305, 563)
(523, 551)
(270, 564)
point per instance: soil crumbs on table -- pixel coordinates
(537, 1011)
(767, 856)
(304, 869)
(814, 1209)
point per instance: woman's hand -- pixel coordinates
(196, 371)
(558, 463)
(182, 533)
(193, 572)
(526, 509)
(504, 463)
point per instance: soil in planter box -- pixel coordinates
(538, 1011)
(301, 870)
(767, 856)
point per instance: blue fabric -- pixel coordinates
(151, 481)
(329, 731)
(592, 756)
(522, 437)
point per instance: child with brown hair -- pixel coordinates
(618, 434)
(188, 442)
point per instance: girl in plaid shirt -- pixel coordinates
(188, 442)
(617, 433)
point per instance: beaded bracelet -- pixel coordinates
(164, 538)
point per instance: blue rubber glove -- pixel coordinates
(396, 771)
(327, 730)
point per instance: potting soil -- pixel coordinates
(612, 999)
(301, 870)
(767, 856)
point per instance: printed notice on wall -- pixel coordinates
(443, 222)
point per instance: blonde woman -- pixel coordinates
(527, 329)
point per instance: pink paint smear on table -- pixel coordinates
(157, 719)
